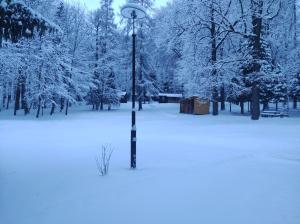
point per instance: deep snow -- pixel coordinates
(191, 169)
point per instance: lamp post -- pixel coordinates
(133, 11)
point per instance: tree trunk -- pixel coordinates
(242, 107)
(1, 37)
(255, 104)
(4, 100)
(213, 61)
(223, 98)
(62, 104)
(215, 102)
(145, 97)
(23, 96)
(52, 108)
(8, 101)
(140, 89)
(140, 103)
(17, 100)
(4, 95)
(265, 106)
(295, 101)
(67, 107)
(101, 104)
(230, 106)
(39, 108)
(257, 53)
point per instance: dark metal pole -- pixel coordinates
(133, 115)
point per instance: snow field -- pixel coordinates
(191, 169)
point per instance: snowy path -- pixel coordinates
(191, 169)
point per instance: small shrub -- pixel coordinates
(103, 159)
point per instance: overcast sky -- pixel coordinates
(93, 4)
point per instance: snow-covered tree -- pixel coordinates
(18, 20)
(103, 90)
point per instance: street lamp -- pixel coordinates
(133, 11)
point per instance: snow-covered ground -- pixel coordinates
(191, 169)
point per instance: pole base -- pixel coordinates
(133, 150)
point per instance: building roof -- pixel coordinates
(170, 95)
(122, 93)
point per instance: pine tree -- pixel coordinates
(111, 96)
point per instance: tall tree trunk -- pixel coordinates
(223, 97)
(101, 104)
(8, 101)
(62, 104)
(255, 109)
(17, 100)
(215, 93)
(67, 107)
(215, 101)
(257, 26)
(4, 100)
(141, 81)
(39, 108)
(295, 100)
(52, 108)
(295, 24)
(140, 88)
(23, 96)
(140, 104)
(1, 37)
(4, 96)
(242, 107)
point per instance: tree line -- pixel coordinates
(233, 50)
(55, 54)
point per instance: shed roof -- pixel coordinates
(170, 95)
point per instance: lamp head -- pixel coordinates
(133, 11)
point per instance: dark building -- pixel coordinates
(123, 97)
(169, 98)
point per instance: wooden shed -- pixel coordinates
(169, 98)
(123, 97)
(194, 105)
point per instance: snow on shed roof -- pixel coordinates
(170, 95)
(122, 93)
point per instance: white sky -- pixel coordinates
(117, 4)
(93, 4)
